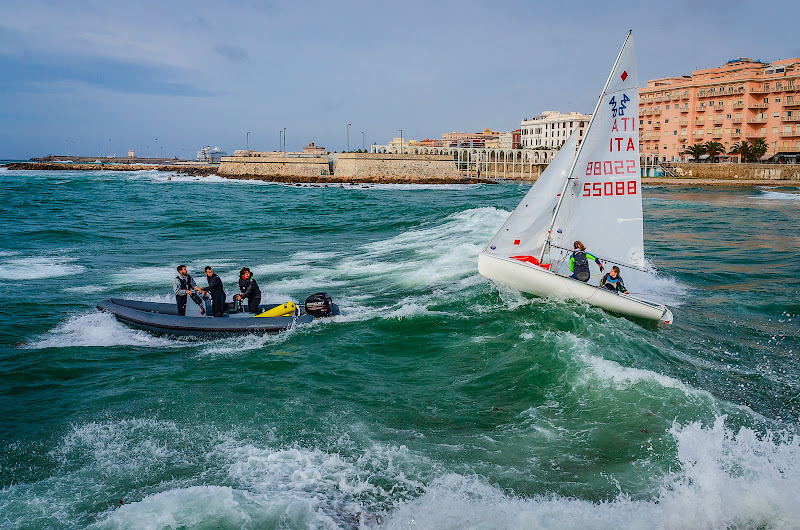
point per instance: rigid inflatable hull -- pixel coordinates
(535, 280)
(163, 319)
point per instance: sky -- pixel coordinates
(166, 78)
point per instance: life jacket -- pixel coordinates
(610, 283)
(580, 265)
(185, 283)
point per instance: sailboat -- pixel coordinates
(591, 192)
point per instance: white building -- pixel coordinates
(552, 129)
(207, 154)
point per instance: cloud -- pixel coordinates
(232, 52)
(32, 72)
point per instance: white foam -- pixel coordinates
(724, 480)
(96, 329)
(38, 267)
(777, 195)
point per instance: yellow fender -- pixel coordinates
(282, 310)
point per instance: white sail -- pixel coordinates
(525, 230)
(602, 206)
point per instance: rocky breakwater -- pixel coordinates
(56, 166)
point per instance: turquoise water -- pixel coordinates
(436, 400)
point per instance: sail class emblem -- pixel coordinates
(624, 75)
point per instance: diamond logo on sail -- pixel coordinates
(624, 75)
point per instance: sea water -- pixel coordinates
(437, 399)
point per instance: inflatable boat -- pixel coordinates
(163, 318)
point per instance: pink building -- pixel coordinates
(741, 100)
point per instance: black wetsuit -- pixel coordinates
(611, 284)
(217, 295)
(249, 289)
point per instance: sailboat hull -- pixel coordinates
(535, 280)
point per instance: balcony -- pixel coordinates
(759, 90)
(736, 134)
(684, 109)
(697, 136)
(719, 108)
(754, 105)
(684, 123)
(717, 133)
(699, 122)
(657, 125)
(756, 120)
(699, 109)
(738, 105)
(790, 134)
(737, 120)
(657, 112)
(647, 112)
(791, 88)
(685, 95)
(718, 121)
(791, 102)
(754, 135)
(790, 118)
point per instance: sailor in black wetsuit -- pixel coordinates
(217, 293)
(249, 289)
(579, 262)
(613, 281)
(184, 286)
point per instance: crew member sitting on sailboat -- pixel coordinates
(613, 281)
(579, 262)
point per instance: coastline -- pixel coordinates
(382, 179)
(730, 183)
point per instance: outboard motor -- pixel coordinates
(319, 305)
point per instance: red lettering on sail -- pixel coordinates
(609, 189)
(611, 167)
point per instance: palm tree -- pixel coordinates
(758, 148)
(743, 149)
(696, 151)
(713, 149)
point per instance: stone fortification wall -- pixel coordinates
(254, 164)
(768, 172)
(368, 165)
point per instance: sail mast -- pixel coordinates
(575, 161)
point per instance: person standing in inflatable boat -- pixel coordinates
(579, 262)
(249, 289)
(184, 286)
(216, 291)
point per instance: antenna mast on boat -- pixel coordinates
(575, 161)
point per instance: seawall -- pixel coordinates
(727, 174)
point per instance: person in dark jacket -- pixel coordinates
(249, 289)
(579, 262)
(613, 281)
(184, 287)
(216, 291)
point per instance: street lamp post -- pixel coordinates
(401, 140)
(363, 149)
(248, 140)
(284, 140)
(280, 140)
(348, 136)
